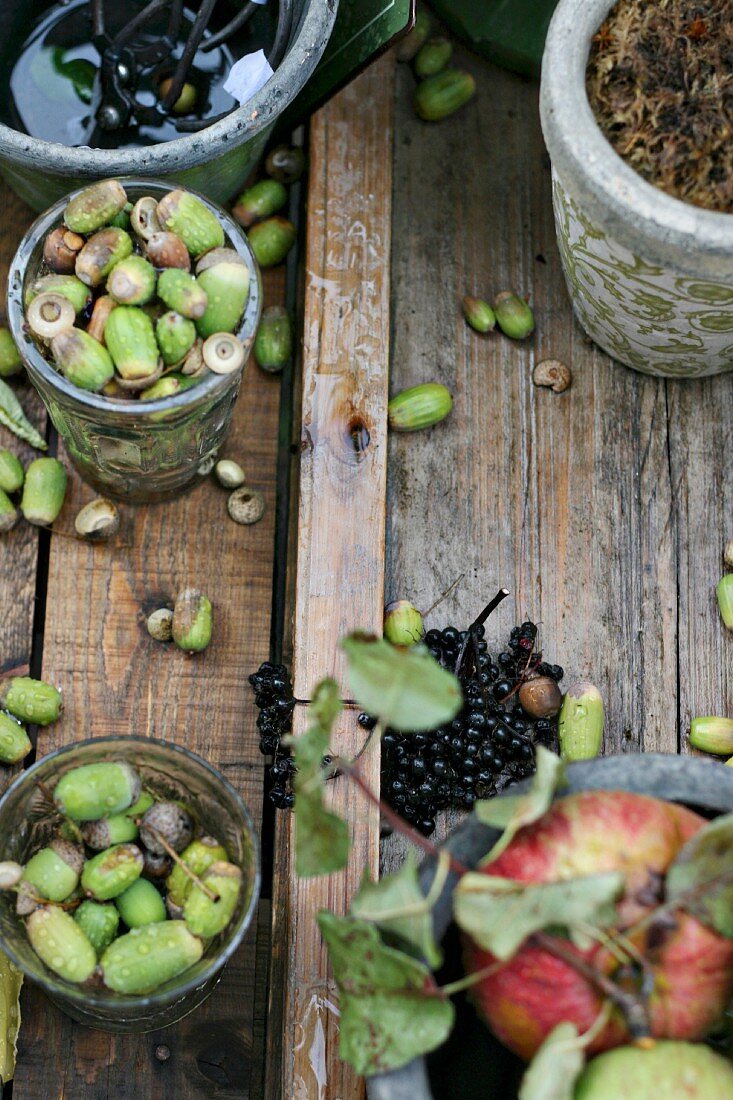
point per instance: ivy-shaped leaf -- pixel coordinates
(391, 1009)
(322, 839)
(556, 1066)
(397, 905)
(15, 420)
(499, 914)
(512, 812)
(702, 876)
(404, 688)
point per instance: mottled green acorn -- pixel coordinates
(61, 944)
(419, 407)
(131, 342)
(513, 316)
(274, 341)
(31, 700)
(259, 201)
(184, 214)
(712, 734)
(147, 957)
(11, 472)
(95, 206)
(164, 387)
(479, 314)
(99, 923)
(198, 856)
(403, 623)
(432, 57)
(441, 95)
(131, 282)
(285, 163)
(580, 723)
(227, 289)
(10, 360)
(68, 286)
(271, 240)
(141, 904)
(408, 46)
(8, 513)
(182, 292)
(82, 359)
(724, 592)
(205, 917)
(176, 336)
(54, 871)
(92, 791)
(218, 256)
(192, 621)
(15, 744)
(100, 254)
(44, 490)
(107, 875)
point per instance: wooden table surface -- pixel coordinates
(603, 510)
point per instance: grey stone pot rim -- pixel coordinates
(640, 216)
(165, 158)
(703, 784)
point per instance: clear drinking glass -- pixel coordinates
(28, 822)
(136, 451)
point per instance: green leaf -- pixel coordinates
(500, 913)
(512, 812)
(391, 1009)
(14, 419)
(404, 688)
(322, 839)
(704, 869)
(381, 903)
(11, 981)
(556, 1066)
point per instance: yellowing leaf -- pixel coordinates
(512, 812)
(396, 904)
(556, 1066)
(702, 876)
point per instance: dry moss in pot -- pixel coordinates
(650, 274)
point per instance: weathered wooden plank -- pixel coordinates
(564, 499)
(117, 680)
(340, 551)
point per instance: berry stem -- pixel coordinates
(170, 850)
(444, 596)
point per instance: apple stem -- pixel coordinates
(632, 1007)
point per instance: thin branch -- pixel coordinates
(170, 850)
(444, 596)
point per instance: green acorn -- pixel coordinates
(31, 700)
(198, 856)
(107, 875)
(82, 359)
(131, 282)
(43, 491)
(419, 407)
(8, 513)
(10, 360)
(92, 791)
(192, 621)
(711, 734)
(441, 95)
(61, 944)
(513, 316)
(141, 904)
(724, 592)
(479, 314)
(168, 386)
(186, 99)
(184, 214)
(95, 206)
(271, 240)
(403, 623)
(54, 872)
(408, 47)
(15, 744)
(207, 918)
(274, 341)
(227, 290)
(182, 292)
(285, 163)
(580, 724)
(68, 286)
(11, 472)
(432, 57)
(130, 340)
(122, 220)
(107, 831)
(147, 957)
(100, 254)
(259, 201)
(99, 923)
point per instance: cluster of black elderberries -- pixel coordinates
(510, 704)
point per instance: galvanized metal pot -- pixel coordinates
(699, 784)
(215, 161)
(650, 277)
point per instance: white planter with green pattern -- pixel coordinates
(650, 277)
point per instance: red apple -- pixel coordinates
(585, 834)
